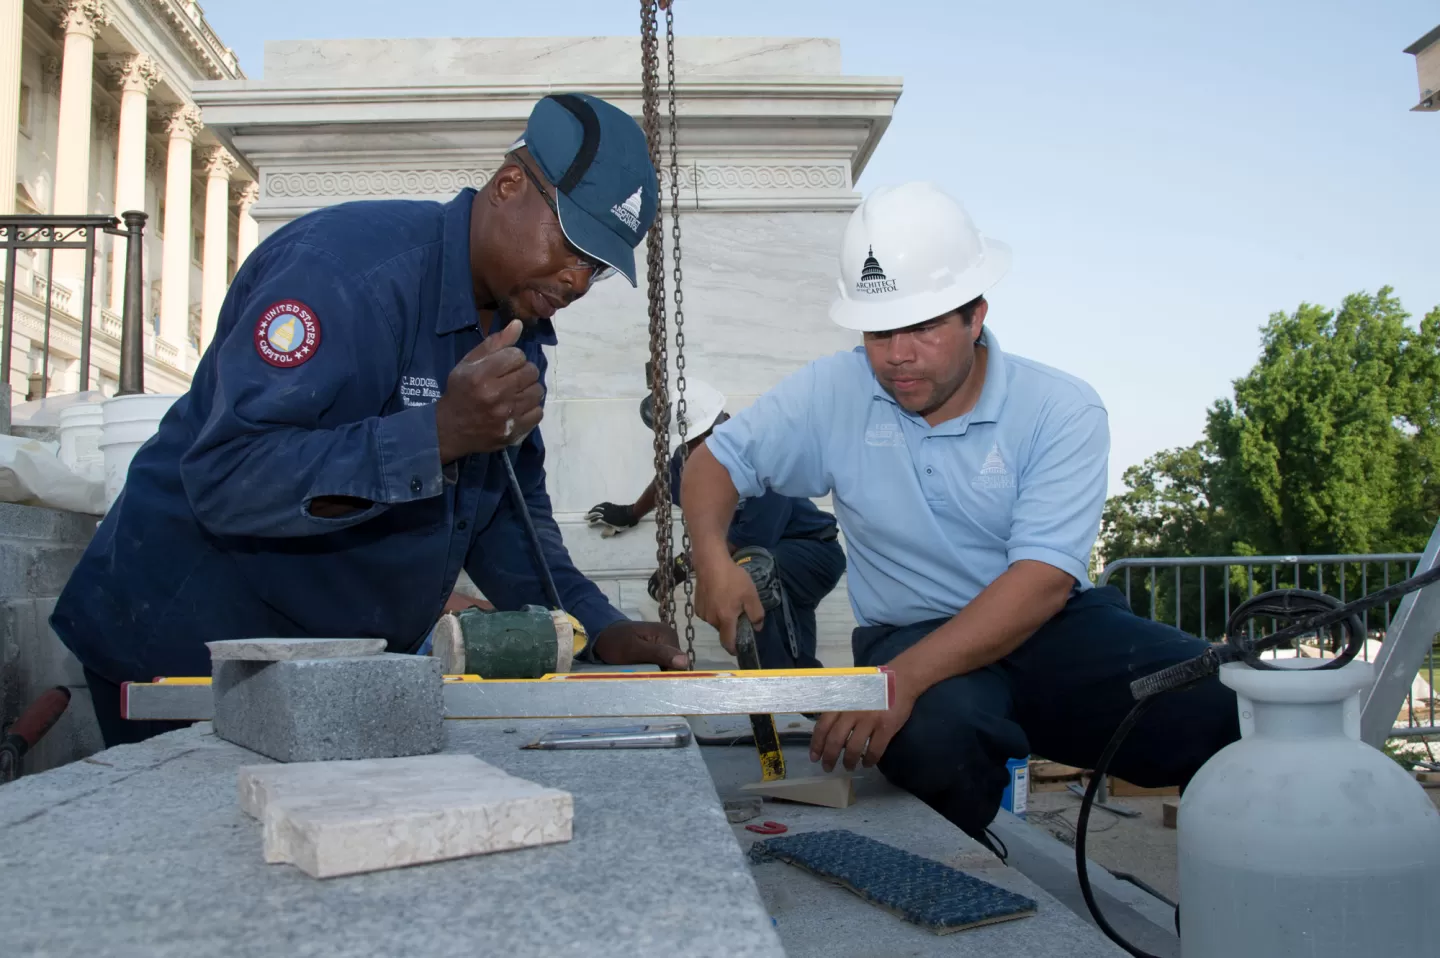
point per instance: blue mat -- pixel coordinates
(919, 890)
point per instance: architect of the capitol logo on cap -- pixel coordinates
(872, 277)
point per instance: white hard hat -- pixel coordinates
(703, 405)
(912, 253)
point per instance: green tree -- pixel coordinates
(1330, 444)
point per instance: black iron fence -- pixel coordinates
(78, 233)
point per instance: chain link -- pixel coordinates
(659, 359)
(680, 405)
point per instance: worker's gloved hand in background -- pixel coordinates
(679, 572)
(611, 518)
(641, 643)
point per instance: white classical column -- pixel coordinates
(72, 146)
(12, 25)
(136, 74)
(218, 166)
(249, 231)
(183, 123)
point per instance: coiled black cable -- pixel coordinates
(1309, 611)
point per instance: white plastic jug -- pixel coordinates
(1300, 839)
(129, 421)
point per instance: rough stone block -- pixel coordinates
(316, 710)
(341, 818)
(282, 650)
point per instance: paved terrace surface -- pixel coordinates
(143, 850)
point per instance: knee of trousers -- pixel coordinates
(936, 753)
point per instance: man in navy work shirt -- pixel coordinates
(970, 485)
(788, 533)
(337, 459)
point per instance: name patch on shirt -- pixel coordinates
(287, 334)
(884, 434)
(418, 390)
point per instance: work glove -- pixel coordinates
(611, 518)
(679, 572)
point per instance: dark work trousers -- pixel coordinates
(1060, 695)
(809, 570)
(114, 730)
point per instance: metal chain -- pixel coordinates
(680, 406)
(659, 359)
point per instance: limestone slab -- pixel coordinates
(283, 650)
(345, 818)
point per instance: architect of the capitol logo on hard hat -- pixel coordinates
(872, 277)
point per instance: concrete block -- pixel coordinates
(33, 522)
(316, 710)
(283, 650)
(343, 818)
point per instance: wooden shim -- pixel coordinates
(1170, 814)
(831, 791)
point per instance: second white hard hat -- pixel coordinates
(703, 405)
(911, 253)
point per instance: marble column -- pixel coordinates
(12, 25)
(82, 18)
(182, 123)
(249, 232)
(219, 165)
(136, 74)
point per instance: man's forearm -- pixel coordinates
(994, 624)
(642, 506)
(709, 499)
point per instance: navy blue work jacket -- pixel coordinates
(333, 344)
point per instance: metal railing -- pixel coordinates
(78, 233)
(1198, 593)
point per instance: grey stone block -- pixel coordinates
(33, 522)
(35, 569)
(318, 710)
(282, 650)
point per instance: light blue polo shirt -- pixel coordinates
(932, 516)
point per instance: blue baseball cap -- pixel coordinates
(596, 156)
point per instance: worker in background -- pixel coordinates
(337, 460)
(969, 484)
(785, 540)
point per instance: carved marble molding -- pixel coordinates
(216, 161)
(154, 160)
(372, 183)
(84, 17)
(133, 72)
(198, 40)
(183, 121)
(734, 185)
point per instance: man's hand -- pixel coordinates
(641, 643)
(491, 398)
(612, 518)
(861, 737)
(722, 592)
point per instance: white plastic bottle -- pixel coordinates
(1301, 840)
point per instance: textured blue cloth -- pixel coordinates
(920, 890)
(931, 515)
(333, 343)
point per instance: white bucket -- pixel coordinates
(128, 422)
(80, 429)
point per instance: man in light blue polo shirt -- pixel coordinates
(969, 484)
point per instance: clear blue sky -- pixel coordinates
(1169, 174)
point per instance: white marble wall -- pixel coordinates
(385, 61)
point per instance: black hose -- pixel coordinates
(1319, 611)
(536, 549)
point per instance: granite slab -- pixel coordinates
(283, 650)
(817, 919)
(144, 850)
